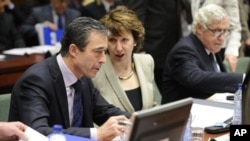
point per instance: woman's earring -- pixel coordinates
(135, 45)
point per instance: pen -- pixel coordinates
(124, 122)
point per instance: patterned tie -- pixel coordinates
(60, 23)
(77, 106)
(211, 56)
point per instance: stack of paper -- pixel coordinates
(32, 50)
(221, 97)
(205, 115)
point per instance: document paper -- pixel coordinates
(204, 115)
(33, 135)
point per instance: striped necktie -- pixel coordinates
(77, 105)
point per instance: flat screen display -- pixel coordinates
(162, 123)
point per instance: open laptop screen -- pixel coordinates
(162, 123)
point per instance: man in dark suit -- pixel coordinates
(98, 8)
(139, 6)
(189, 71)
(18, 15)
(45, 95)
(9, 36)
(47, 15)
(161, 36)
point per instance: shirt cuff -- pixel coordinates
(93, 133)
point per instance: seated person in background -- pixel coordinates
(9, 36)
(18, 15)
(63, 93)
(127, 79)
(76, 4)
(54, 15)
(245, 32)
(98, 8)
(12, 131)
(232, 43)
(189, 71)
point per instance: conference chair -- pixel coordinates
(242, 66)
(48, 37)
(4, 106)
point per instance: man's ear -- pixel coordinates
(73, 49)
(199, 29)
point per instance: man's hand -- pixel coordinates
(111, 129)
(12, 131)
(232, 60)
(51, 25)
(247, 42)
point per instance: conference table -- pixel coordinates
(207, 135)
(215, 106)
(13, 66)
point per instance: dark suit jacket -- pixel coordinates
(39, 15)
(39, 100)
(139, 6)
(188, 71)
(161, 36)
(9, 36)
(96, 9)
(18, 15)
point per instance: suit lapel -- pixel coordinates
(119, 92)
(48, 14)
(146, 88)
(60, 92)
(67, 17)
(202, 52)
(204, 57)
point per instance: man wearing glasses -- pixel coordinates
(230, 49)
(193, 67)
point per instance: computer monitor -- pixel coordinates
(162, 123)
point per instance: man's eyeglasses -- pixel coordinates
(219, 32)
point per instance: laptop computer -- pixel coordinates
(162, 123)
